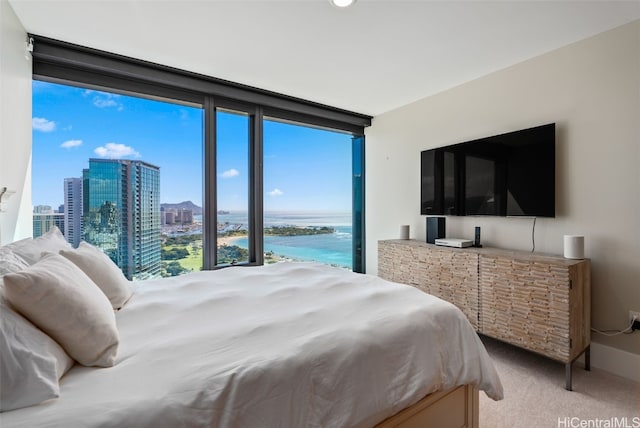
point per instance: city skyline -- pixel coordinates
(305, 168)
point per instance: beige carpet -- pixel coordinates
(535, 396)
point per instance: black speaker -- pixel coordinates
(476, 240)
(435, 229)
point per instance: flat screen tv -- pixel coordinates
(510, 174)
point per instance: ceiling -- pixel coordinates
(370, 58)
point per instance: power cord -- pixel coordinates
(627, 330)
(533, 235)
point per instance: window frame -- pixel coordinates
(66, 63)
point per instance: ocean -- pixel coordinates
(334, 248)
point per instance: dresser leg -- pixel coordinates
(587, 358)
(568, 368)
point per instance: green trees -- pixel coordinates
(172, 269)
(231, 254)
(296, 231)
(182, 239)
(175, 253)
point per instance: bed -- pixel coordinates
(282, 345)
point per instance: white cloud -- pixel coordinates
(71, 143)
(104, 102)
(104, 99)
(43, 125)
(276, 192)
(115, 151)
(230, 173)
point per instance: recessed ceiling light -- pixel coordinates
(342, 3)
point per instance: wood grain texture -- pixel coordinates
(534, 301)
(450, 275)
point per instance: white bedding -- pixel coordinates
(284, 345)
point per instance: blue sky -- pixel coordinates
(305, 169)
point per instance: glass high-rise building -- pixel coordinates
(122, 214)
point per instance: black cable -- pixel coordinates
(533, 235)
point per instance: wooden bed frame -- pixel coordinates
(457, 407)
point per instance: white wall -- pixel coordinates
(15, 126)
(591, 90)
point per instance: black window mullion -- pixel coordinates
(256, 203)
(210, 218)
(358, 204)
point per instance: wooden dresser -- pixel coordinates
(537, 302)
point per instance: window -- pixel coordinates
(232, 193)
(227, 159)
(307, 194)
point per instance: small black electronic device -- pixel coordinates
(435, 229)
(476, 239)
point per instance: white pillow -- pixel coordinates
(103, 271)
(62, 301)
(10, 261)
(31, 250)
(30, 363)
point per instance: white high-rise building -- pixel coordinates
(73, 210)
(42, 223)
(42, 209)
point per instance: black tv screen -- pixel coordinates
(510, 174)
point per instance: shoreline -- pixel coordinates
(271, 256)
(268, 257)
(277, 255)
(229, 240)
(277, 251)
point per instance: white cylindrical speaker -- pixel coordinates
(574, 247)
(404, 231)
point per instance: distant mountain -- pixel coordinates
(186, 205)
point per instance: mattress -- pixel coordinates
(282, 345)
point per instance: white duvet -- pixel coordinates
(284, 345)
